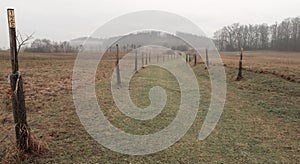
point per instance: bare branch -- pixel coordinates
(22, 41)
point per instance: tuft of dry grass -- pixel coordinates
(14, 155)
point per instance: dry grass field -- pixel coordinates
(260, 122)
(281, 64)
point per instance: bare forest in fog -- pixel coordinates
(284, 36)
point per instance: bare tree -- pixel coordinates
(274, 37)
(295, 33)
(23, 40)
(284, 36)
(264, 36)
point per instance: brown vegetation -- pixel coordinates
(260, 122)
(281, 64)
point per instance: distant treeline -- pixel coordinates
(284, 36)
(48, 46)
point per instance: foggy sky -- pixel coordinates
(61, 20)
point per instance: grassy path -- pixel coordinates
(260, 122)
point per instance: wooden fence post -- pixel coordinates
(118, 67)
(207, 60)
(240, 76)
(195, 58)
(135, 61)
(142, 59)
(186, 57)
(22, 129)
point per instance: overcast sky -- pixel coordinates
(61, 20)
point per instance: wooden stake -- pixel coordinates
(135, 61)
(22, 130)
(118, 67)
(13, 42)
(240, 76)
(206, 55)
(142, 59)
(186, 57)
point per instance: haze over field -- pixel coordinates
(67, 19)
(150, 81)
